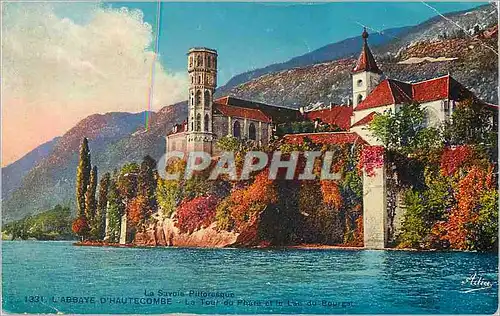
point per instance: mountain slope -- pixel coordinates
(13, 174)
(329, 52)
(51, 181)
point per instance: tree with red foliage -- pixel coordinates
(454, 158)
(458, 229)
(136, 210)
(80, 227)
(196, 213)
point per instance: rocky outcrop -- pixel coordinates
(164, 233)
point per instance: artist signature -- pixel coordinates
(476, 282)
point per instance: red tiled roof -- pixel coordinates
(431, 90)
(365, 120)
(366, 61)
(325, 138)
(392, 91)
(235, 111)
(337, 115)
(387, 92)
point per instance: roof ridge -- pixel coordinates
(436, 78)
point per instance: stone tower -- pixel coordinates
(202, 69)
(366, 75)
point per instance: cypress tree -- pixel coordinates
(90, 202)
(147, 183)
(115, 210)
(82, 177)
(99, 223)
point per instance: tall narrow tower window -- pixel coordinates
(207, 122)
(207, 98)
(198, 98)
(360, 98)
(237, 129)
(198, 122)
(200, 61)
(252, 132)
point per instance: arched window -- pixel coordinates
(207, 98)
(192, 123)
(236, 129)
(198, 98)
(198, 122)
(209, 61)
(360, 98)
(207, 122)
(252, 133)
(190, 61)
(200, 61)
(360, 83)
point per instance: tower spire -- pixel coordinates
(366, 61)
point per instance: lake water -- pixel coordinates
(49, 277)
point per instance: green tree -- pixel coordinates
(168, 195)
(90, 201)
(114, 211)
(127, 181)
(472, 122)
(486, 227)
(147, 182)
(99, 223)
(405, 130)
(82, 177)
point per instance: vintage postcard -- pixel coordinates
(249, 157)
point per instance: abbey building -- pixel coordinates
(210, 119)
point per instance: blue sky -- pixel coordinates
(253, 35)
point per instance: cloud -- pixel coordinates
(61, 67)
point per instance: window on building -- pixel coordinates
(207, 122)
(190, 61)
(198, 122)
(192, 123)
(446, 106)
(198, 98)
(252, 132)
(360, 83)
(207, 98)
(360, 98)
(237, 129)
(209, 61)
(199, 61)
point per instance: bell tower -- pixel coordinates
(366, 75)
(202, 69)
